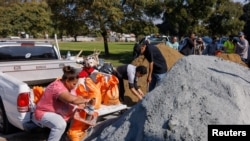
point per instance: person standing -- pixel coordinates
(199, 46)
(56, 106)
(242, 47)
(189, 46)
(132, 74)
(157, 64)
(229, 46)
(211, 47)
(173, 43)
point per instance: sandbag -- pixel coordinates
(111, 97)
(94, 90)
(101, 81)
(79, 125)
(38, 92)
(83, 118)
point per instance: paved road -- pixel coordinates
(24, 136)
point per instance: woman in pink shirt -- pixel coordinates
(55, 107)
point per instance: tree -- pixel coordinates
(98, 15)
(103, 15)
(136, 20)
(29, 17)
(5, 18)
(182, 16)
(225, 19)
(67, 18)
(246, 17)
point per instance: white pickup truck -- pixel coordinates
(24, 64)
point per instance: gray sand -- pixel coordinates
(198, 91)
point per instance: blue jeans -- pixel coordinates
(156, 80)
(56, 124)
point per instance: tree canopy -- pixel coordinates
(74, 18)
(32, 18)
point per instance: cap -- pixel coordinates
(240, 33)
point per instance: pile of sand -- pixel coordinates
(233, 58)
(198, 91)
(172, 56)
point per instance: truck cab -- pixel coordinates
(27, 50)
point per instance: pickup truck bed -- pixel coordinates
(22, 66)
(36, 72)
(106, 110)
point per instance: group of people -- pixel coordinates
(232, 45)
(192, 46)
(55, 108)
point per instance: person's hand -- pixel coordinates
(84, 100)
(81, 106)
(140, 97)
(141, 94)
(92, 101)
(149, 79)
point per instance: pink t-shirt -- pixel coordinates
(49, 102)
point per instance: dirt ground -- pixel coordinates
(232, 57)
(171, 56)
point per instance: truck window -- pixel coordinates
(22, 53)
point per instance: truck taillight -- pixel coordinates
(28, 44)
(23, 102)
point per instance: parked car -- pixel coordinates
(155, 39)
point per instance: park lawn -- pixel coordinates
(120, 52)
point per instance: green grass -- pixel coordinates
(120, 52)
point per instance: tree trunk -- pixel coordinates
(75, 37)
(105, 40)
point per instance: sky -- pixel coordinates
(242, 1)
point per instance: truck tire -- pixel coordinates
(5, 126)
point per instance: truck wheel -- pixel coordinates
(5, 126)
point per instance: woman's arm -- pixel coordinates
(72, 99)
